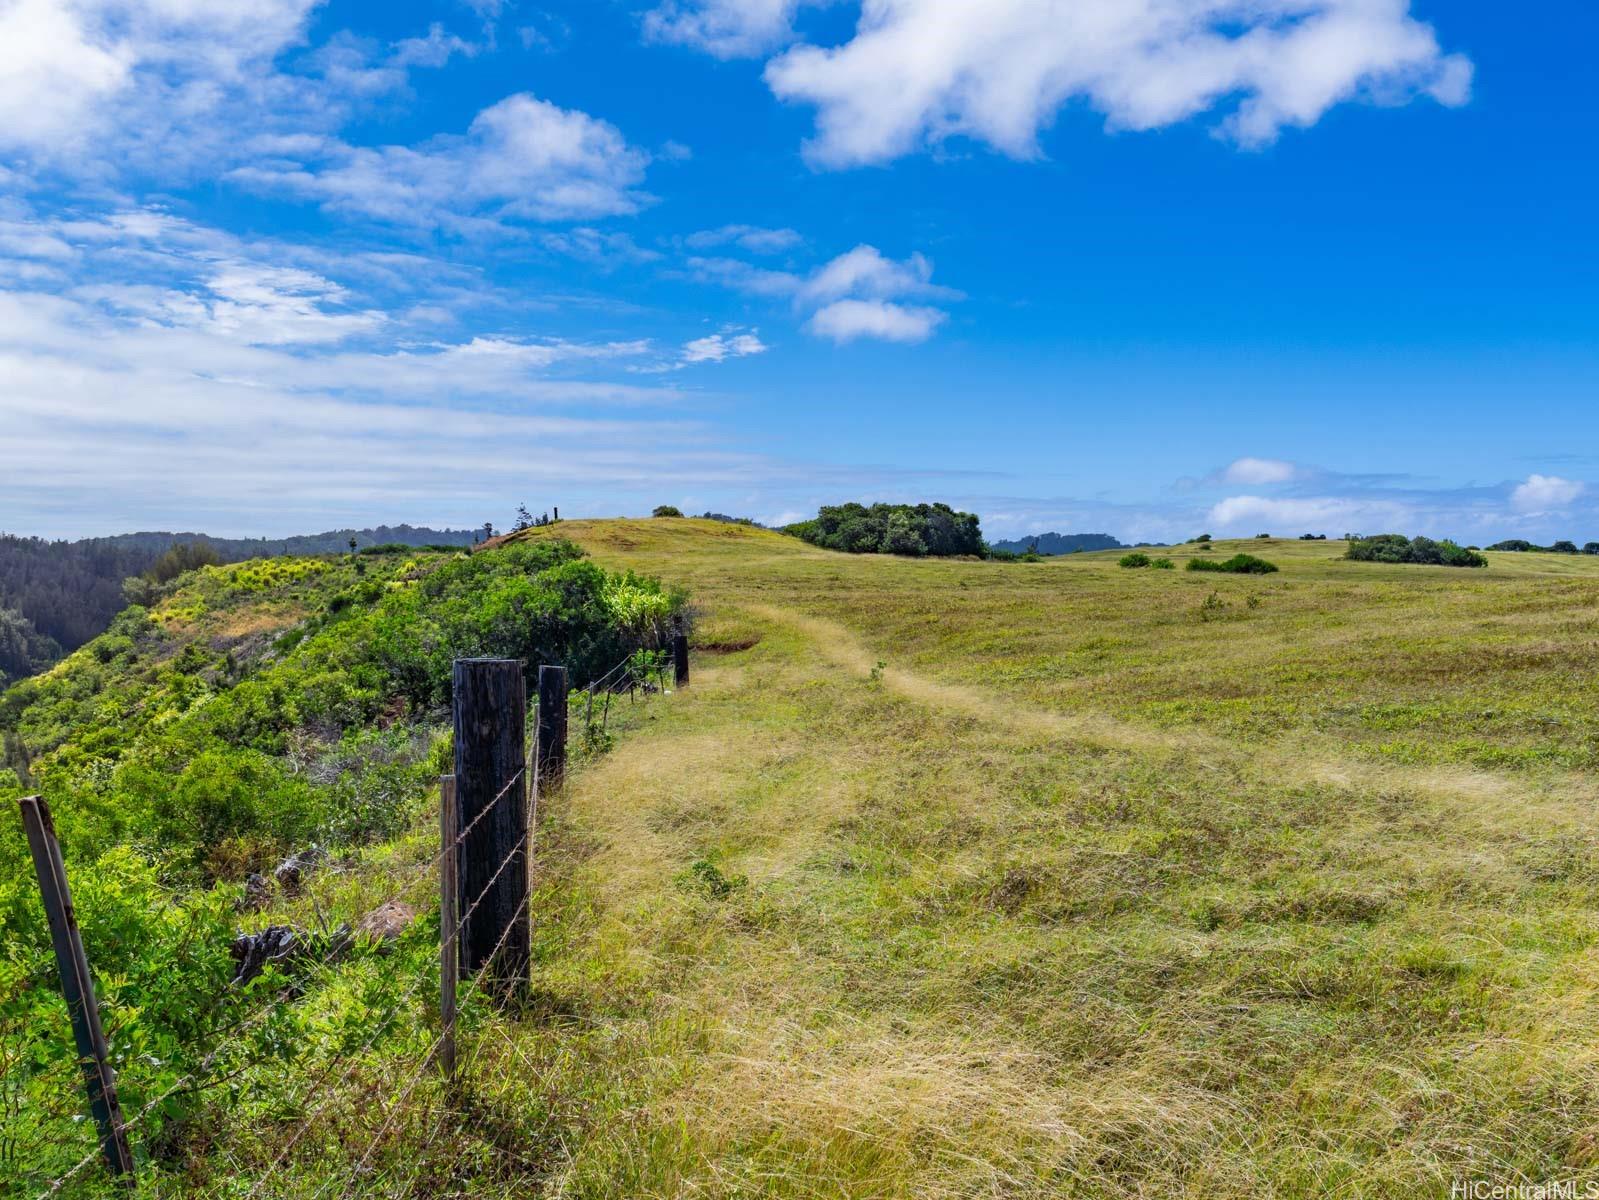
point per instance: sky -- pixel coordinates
(1144, 267)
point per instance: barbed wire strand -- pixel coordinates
(305, 1124)
(127, 1124)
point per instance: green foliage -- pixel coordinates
(1163, 564)
(911, 530)
(1204, 537)
(1238, 564)
(1134, 560)
(667, 510)
(23, 649)
(1396, 548)
(184, 557)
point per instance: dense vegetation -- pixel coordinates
(1522, 546)
(1396, 548)
(908, 529)
(1050, 544)
(55, 596)
(1238, 564)
(261, 708)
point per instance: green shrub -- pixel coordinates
(667, 510)
(1396, 548)
(1238, 564)
(1163, 564)
(1134, 560)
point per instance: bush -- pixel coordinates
(1263, 537)
(1313, 537)
(1136, 559)
(1396, 548)
(1238, 564)
(1590, 548)
(1163, 564)
(667, 510)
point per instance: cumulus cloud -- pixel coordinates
(1255, 472)
(848, 320)
(917, 72)
(1545, 493)
(521, 159)
(719, 347)
(857, 295)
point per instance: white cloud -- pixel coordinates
(917, 72)
(847, 320)
(850, 297)
(719, 347)
(84, 83)
(1545, 493)
(725, 28)
(1319, 514)
(864, 271)
(1254, 472)
(434, 50)
(521, 159)
(753, 238)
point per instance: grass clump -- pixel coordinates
(1238, 564)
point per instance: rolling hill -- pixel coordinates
(964, 878)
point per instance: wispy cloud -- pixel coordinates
(522, 159)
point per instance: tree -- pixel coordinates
(353, 545)
(488, 530)
(900, 536)
(667, 510)
(1590, 548)
(1564, 548)
(1204, 537)
(524, 519)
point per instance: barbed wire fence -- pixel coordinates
(639, 675)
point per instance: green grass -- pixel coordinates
(966, 879)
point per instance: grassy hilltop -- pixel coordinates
(959, 878)
(1054, 887)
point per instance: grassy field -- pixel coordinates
(974, 879)
(970, 879)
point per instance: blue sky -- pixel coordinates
(1085, 265)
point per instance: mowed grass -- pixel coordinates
(959, 879)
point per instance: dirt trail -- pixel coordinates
(1496, 799)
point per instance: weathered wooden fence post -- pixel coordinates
(490, 770)
(680, 658)
(449, 919)
(76, 985)
(552, 729)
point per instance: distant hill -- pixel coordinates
(55, 596)
(1061, 543)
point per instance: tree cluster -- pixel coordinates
(1522, 546)
(1397, 548)
(908, 529)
